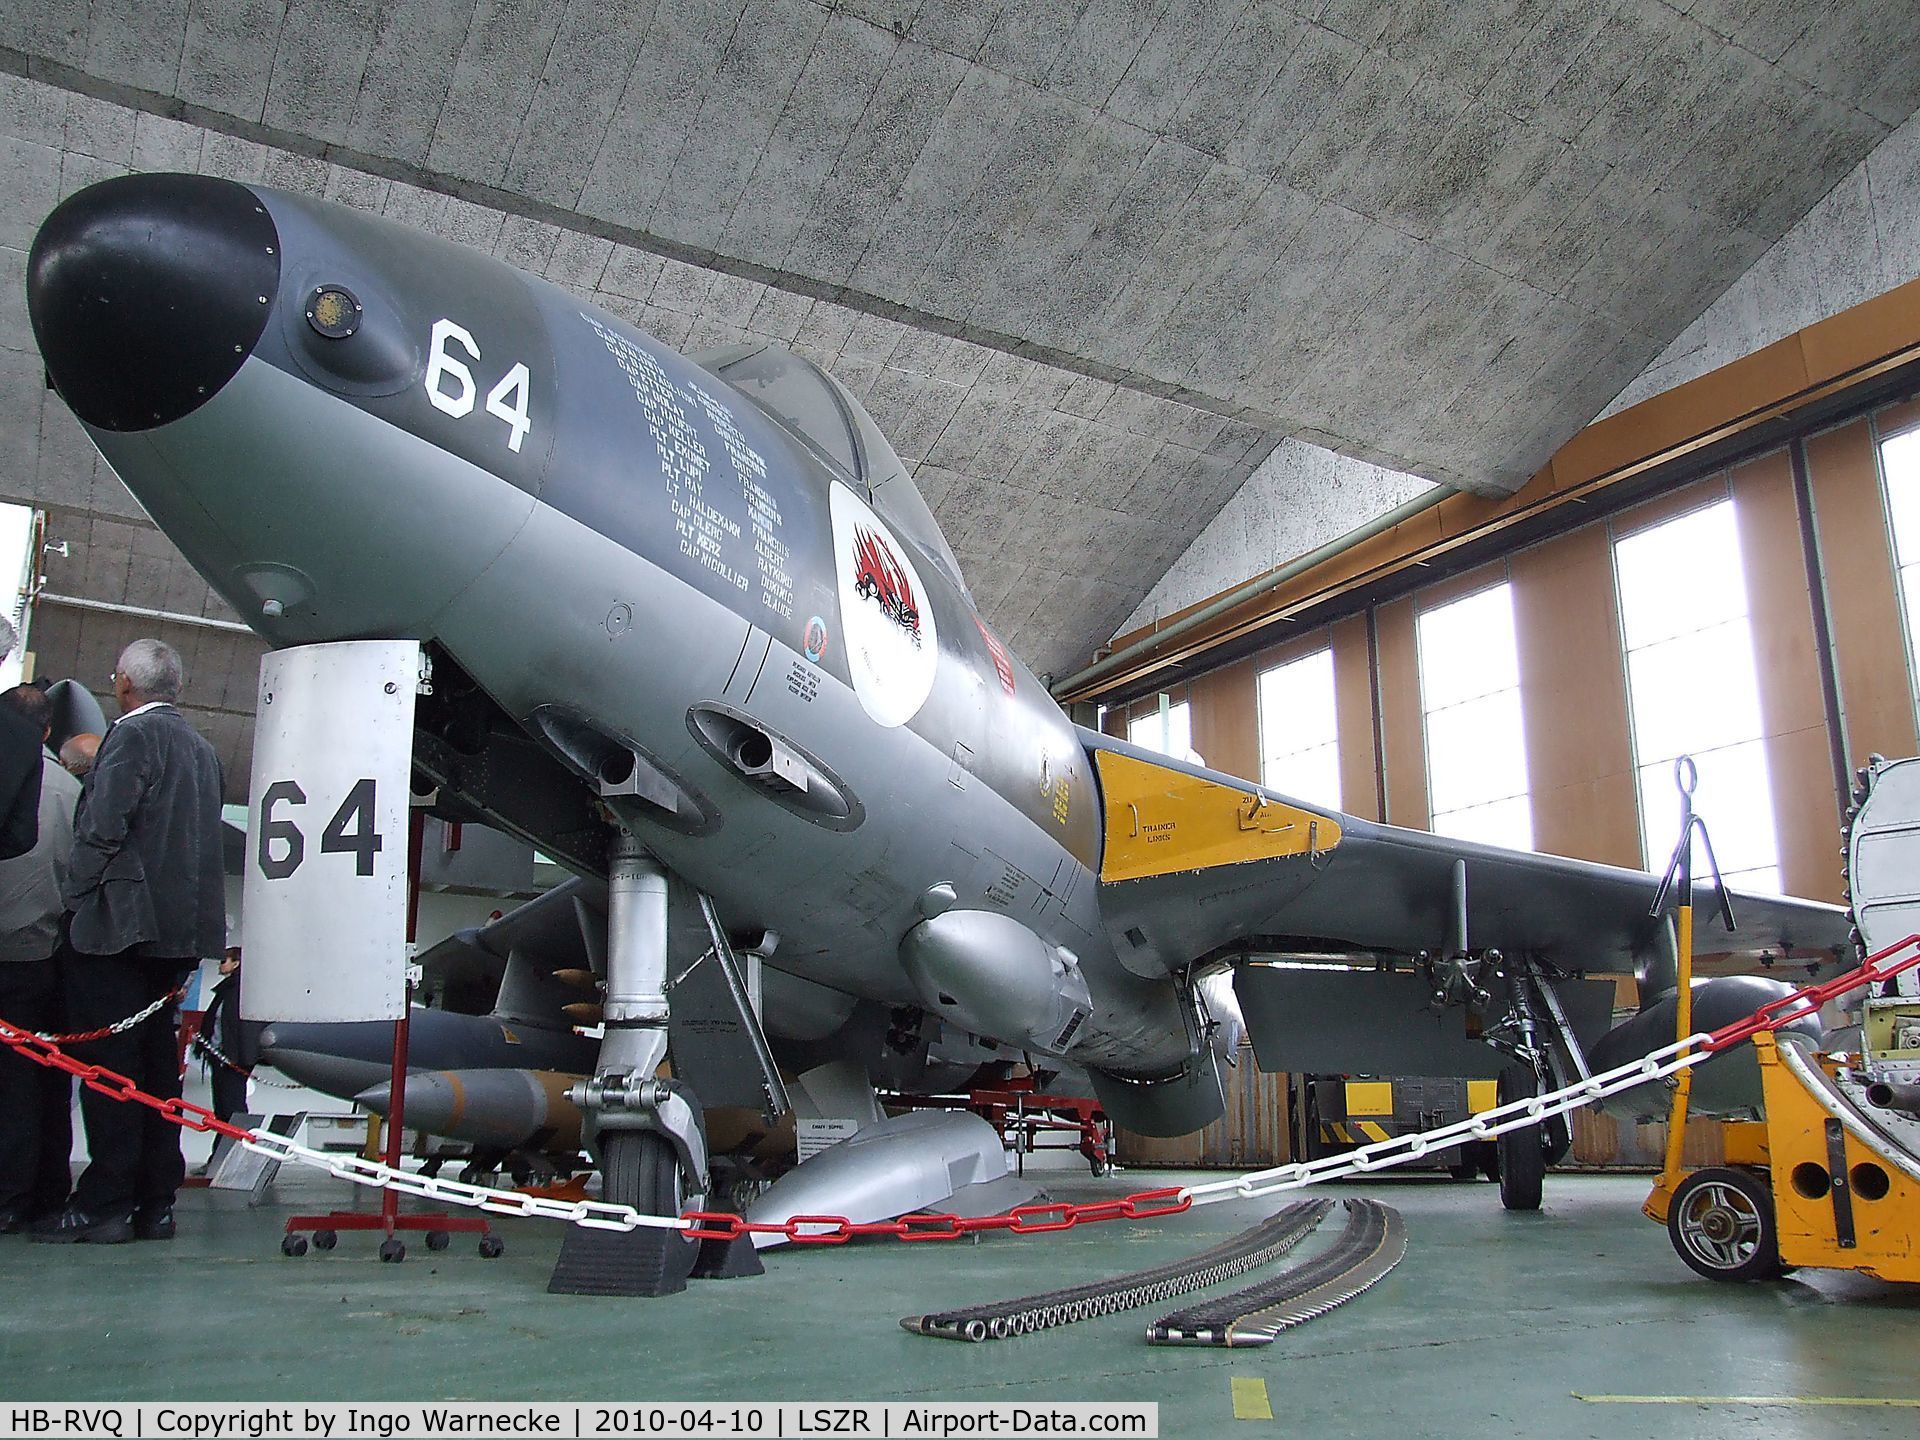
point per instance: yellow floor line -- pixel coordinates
(1250, 1400)
(1866, 1400)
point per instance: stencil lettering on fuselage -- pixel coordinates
(696, 483)
(887, 624)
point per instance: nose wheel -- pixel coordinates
(639, 1168)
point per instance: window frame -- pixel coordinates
(1323, 647)
(1497, 576)
(1709, 496)
(1901, 602)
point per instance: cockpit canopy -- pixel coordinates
(822, 414)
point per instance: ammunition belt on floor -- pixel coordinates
(1373, 1242)
(998, 1319)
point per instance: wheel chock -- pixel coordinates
(728, 1259)
(646, 1261)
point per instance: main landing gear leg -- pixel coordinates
(1525, 1153)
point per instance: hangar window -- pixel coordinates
(1477, 786)
(1168, 729)
(1693, 689)
(1299, 734)
(1900, 465)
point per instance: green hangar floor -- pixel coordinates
(1562, 1323)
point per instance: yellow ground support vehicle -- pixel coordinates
(1827, 1179)
(1831, 1176)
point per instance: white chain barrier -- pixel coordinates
(1367, 1160)
(1654, 1067)
(1487, 1125)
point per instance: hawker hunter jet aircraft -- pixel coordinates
(695, 633)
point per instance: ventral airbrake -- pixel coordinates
(695, 633)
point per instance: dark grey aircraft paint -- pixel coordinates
(354, 430)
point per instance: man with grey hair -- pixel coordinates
(19, 770)
(147, 900)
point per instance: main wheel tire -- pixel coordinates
(638, 1168)
(1721, 1222)
(1523, 1152)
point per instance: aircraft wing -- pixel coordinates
(1196, 862)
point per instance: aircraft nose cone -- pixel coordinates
(148, 292)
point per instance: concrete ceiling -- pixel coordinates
(1087, 260)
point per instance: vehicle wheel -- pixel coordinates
(438, 1239)
(1523, 1153)
(293, 1245)
(392, 1252)
(638, 1168)
(1721, 1222)
(1100, 1165)
(325, 1239)
(492, 1247)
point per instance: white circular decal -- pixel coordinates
(892, 650)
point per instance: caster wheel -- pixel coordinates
(392, 1252)
(492, 1247)
(438, 1239)
(1722, 1223)
(325, 1239)
(293, 1245)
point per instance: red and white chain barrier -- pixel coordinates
(119, 1027)
(1027, 1219)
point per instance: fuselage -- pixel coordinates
(357, 431)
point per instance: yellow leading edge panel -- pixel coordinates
(1160, 822)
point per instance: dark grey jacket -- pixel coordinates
(146, 843)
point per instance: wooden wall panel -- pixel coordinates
(1602, 1141)
(1672, 504)
(1252, 1135)
(1856, 558)
(1574, 696)
(1402, 727)
(1458, 587)
(1225, 716)
(1895, 418)
(1353, 707)
(1806, 810)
